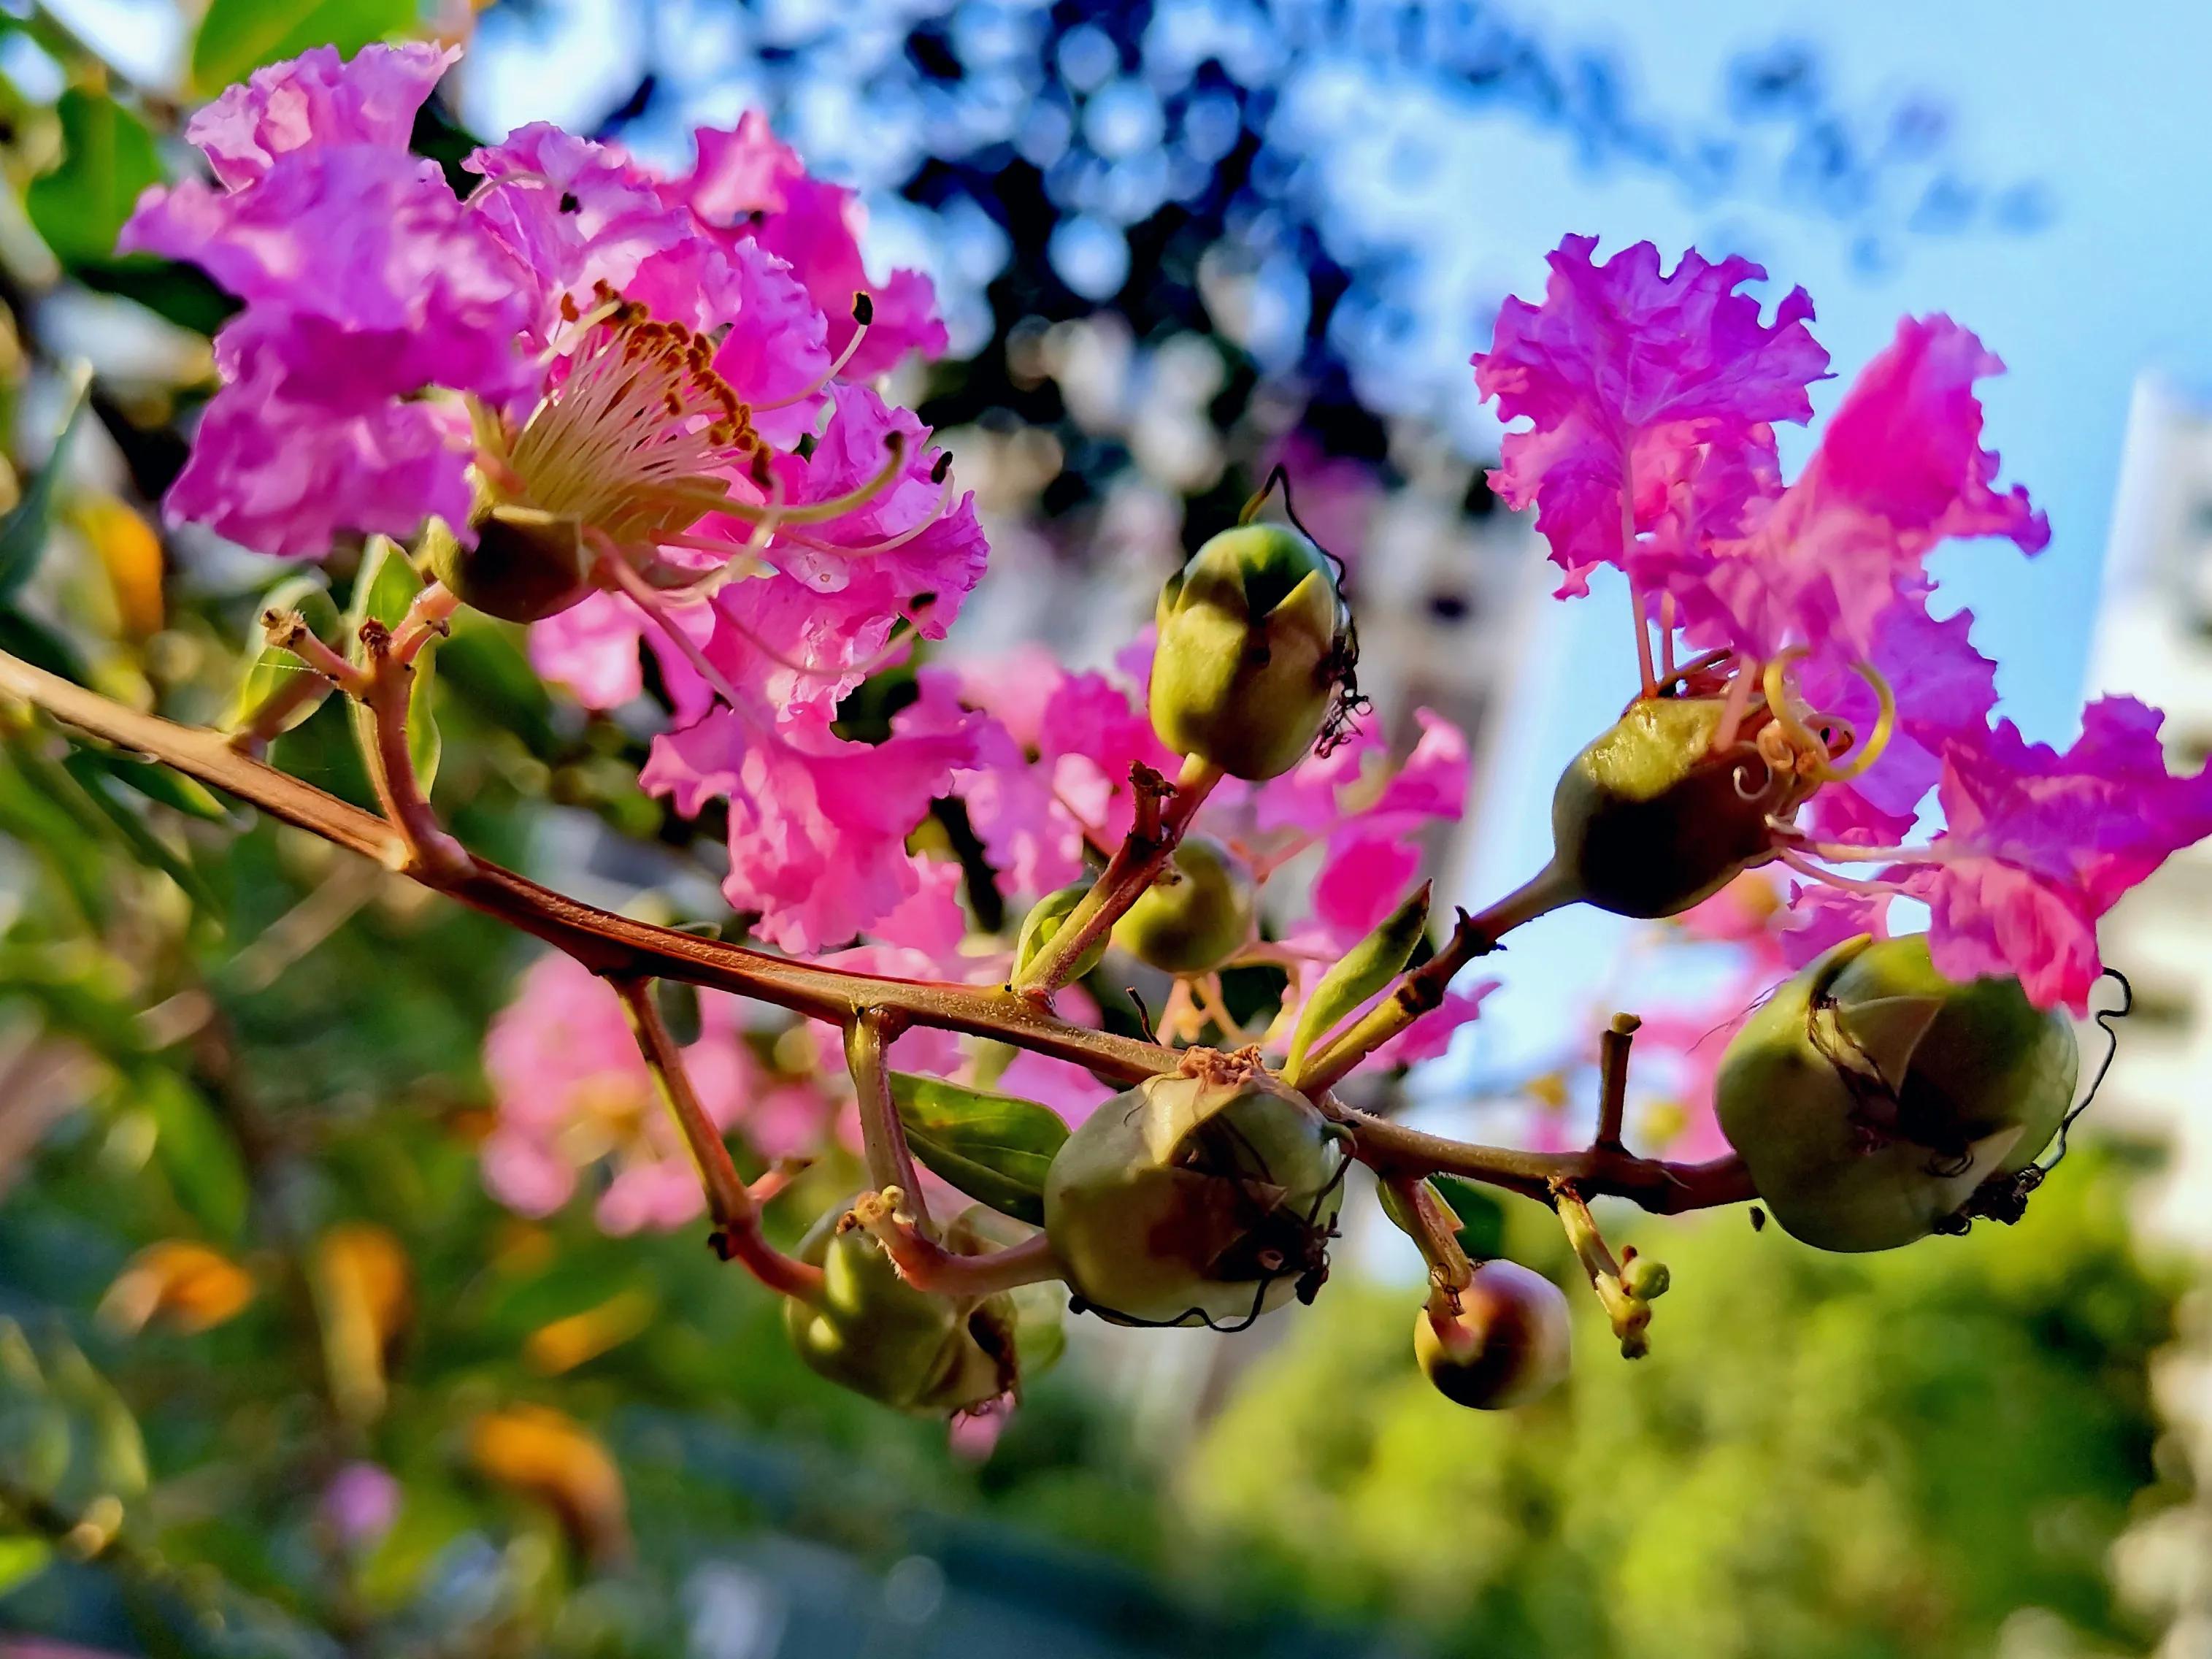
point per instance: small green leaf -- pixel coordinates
(21, 1559)
(199, 1157)
(107, 158)
(384, 587)
(23, 531)
(268, 670)
(157, 783)
(996, 1148)
(1371, 964)
(238, 36)
(1481, 1216)
(138, 836)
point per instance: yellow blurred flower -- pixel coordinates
(551, 1459)
(184, 1284)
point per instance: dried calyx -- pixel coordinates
(1875, 1101)
(1207, 1195)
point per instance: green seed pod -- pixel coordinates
(1197, 921)
(1251, 648)
(1183, 1198)
(1043, 922)
(1647, 821)
(1871, 1096)
(877, 1335)
(518, 571)
(1507, 1346)
(1645, 1280)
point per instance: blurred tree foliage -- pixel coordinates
(1833, 1457)
(274, 1364)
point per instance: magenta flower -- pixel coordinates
(573, 1095)
(818, 825)
(1624, 375)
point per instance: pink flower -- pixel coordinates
(1899, 469)
(361, 1504)
(818, 825)
(2039, 844)
(1945, 690)
(573, 1093)
(1622, 373)
(317, 100)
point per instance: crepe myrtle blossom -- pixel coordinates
(570, 362)
(626, 404)
(1825, 684)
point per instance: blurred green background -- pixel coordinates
(276, 1377)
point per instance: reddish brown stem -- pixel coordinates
(737, 1233)
(1136, 864)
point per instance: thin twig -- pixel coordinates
(1613, 1047)
(1154, 834)
(737, 1233)
(883, 1137)
(929, 1266)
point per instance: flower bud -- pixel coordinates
(1198, 915)
(1508, 1345)
(1209, 1192)
(518, 571)
(1648, 821)
(1043, 922)
(1251, 639)
(1645, 1280)
(873, 1333)
(1871, 1098)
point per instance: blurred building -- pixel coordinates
(2153, 639)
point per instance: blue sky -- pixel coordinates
(2114, 115)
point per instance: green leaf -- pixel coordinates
(268, 670)
(1481, 1216)
(23, 531)
(157, 783)
(238, 36)
(22, 1559)
(196, 1153)
(107, 158)
(138, 835)
(1371, 964)
(385, 586)
(996, 1148)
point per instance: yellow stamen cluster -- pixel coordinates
(639, 440)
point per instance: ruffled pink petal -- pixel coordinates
(656, 1197)
(1366, 876)
(1430, 1038)
(316, 99)
(844, 561)
(816, 233)
(1899, 469)
(818, 825)
(1622, 372)
(286, 478)
(2039, 844)
(360, 273)
(739, 171)
(524, 1174)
